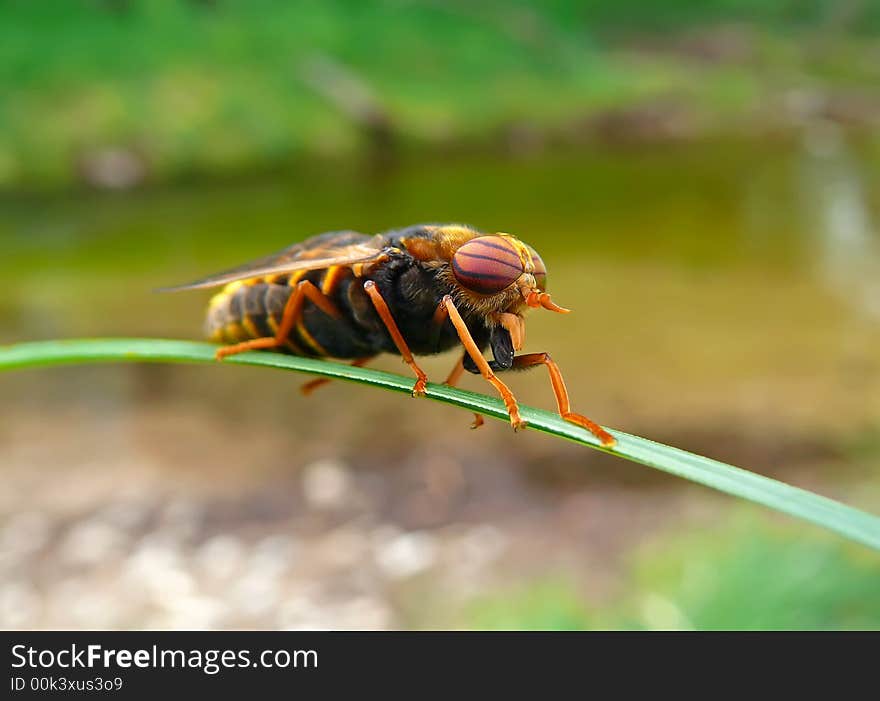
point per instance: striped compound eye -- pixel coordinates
(487, 264)
(540, 271)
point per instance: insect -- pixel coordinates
(419, 290)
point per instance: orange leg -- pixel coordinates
(312, 385)
(561, 393)
(291, 315)
(420, 387)
(482, 364)
(452, 381)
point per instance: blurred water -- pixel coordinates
(839, 215)
(723, 205)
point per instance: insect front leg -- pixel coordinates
(292, 314)
(482, 364)
(421, 385)
(530, 360)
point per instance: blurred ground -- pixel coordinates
(132, 521)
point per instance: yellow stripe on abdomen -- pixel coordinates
(227, 321)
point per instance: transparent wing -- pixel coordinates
(313, 254)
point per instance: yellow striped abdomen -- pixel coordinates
(248, 309)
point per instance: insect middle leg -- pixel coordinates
(421, 385)
(523, 362)
(437, 322)
(292, 313)
(482, 364)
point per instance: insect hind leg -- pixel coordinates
(290, 317)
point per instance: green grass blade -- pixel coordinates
(845, 520)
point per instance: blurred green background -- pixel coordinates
(702, 179)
